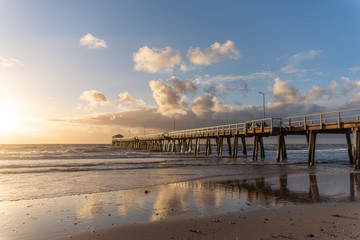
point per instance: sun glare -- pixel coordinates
(10, 117)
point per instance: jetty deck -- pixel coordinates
(346, 122)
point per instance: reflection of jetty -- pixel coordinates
(267, 190)
(343, 122)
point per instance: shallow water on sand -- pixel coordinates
(43, 171)
(47, 191)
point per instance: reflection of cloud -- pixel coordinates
(155, 60)
(216, 53)
(131, 203)
(169, 201)
(92, 42)
(90, 207)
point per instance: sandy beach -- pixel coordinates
(315, 221)
(311, 204)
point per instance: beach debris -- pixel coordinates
(231, 222)
(281, 236)
(215, 220)
(146, 191)
(194, 230)
(336, 215)
(310, 235)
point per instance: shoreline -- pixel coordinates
(208, 205)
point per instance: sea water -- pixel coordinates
(45, 171)
(49, 191)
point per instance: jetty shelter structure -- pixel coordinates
(345, 122)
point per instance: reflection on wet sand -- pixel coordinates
(200, 198)
(213, 197)
(268, 191)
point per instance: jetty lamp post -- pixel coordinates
(263, 94)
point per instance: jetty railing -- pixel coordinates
(266, 125)
(339, 122)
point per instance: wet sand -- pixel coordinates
(284, 206)
(316, 221)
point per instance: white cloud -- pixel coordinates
(95, 98)
(183, 86)
(9, 62)
(208, 105)
(127, 98)
(155, 60)
(208, 80)
(215, 53)
(350, 85)
(315, 93)
(354, 69)
(333, 88)
(92, 42)
(85, 107)
(284, 92)
(170, 99)
(295, 60)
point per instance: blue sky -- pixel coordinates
(82, 71)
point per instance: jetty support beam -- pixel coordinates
(229, 145)
(243, 146)
(349, 147)
(220, 145)
(258, 145)
(281, 149)
(208, 146)
(235, 152)
(356, 143)
(311, 148)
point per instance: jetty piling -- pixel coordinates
(341, 122)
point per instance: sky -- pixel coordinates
(82, 71)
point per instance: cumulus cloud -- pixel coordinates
(284, 92)
(155, 60)
(295, 61)
(183, 86)
(208, 105)
(95, 98)
(315, 93)
(127, 98)
(9, 62)
(350, 85)
(171, 99)
(216, 53)
(92, 42)
(333, 88)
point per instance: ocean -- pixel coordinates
(46, 171)
(50, 191)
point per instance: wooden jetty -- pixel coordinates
(344, 122)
